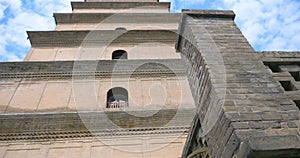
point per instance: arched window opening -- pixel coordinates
(121, 28)
(119, 54)
(117, 98)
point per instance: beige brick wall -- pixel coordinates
(142, 51)
(167, 146)
(63, 95)
(104, 25)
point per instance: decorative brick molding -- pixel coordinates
(45, 126)
(94, 69)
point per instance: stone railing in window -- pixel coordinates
(117, 104)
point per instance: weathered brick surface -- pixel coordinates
(82, 124)
(256, 107)
(102, 68)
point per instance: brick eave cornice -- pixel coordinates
(117, 5)
(73, 18)
(91, 69)
(81, 124)
(99, 37)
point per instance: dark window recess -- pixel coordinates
(287, 85)
(117, 98)
(119, 54)
(297, 102)
(295, 75)
(273, 66)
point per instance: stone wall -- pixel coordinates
(242, 111)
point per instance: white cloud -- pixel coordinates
(4, 55)
(15, 28)
(47, 7)
(14, 5)
(177, 5)
(268, 24)
(2, 9)
(186, 2)
(25, 15)
(182, 1)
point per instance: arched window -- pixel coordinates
(117, 98)
(119, 54)
(121, 28)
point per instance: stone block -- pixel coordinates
(274, 142)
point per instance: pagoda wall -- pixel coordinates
(114, 26)
(63, 95)
(144, 51)
(120, 146)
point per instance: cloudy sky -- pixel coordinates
(267, 24)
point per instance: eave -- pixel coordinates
(74, 18)
(117, 5)
(99, 37)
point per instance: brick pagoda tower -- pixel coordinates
(107, 82)
(119, 78)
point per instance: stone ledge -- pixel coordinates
(117, 5)
(280, 54)
(75, 18)
(210, 13)
(96, 134)
(98, 37)
(101, 68)
(275, 146)
(274, 143)
(102, 123)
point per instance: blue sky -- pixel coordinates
(267, 24)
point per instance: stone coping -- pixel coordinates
(210, 13)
